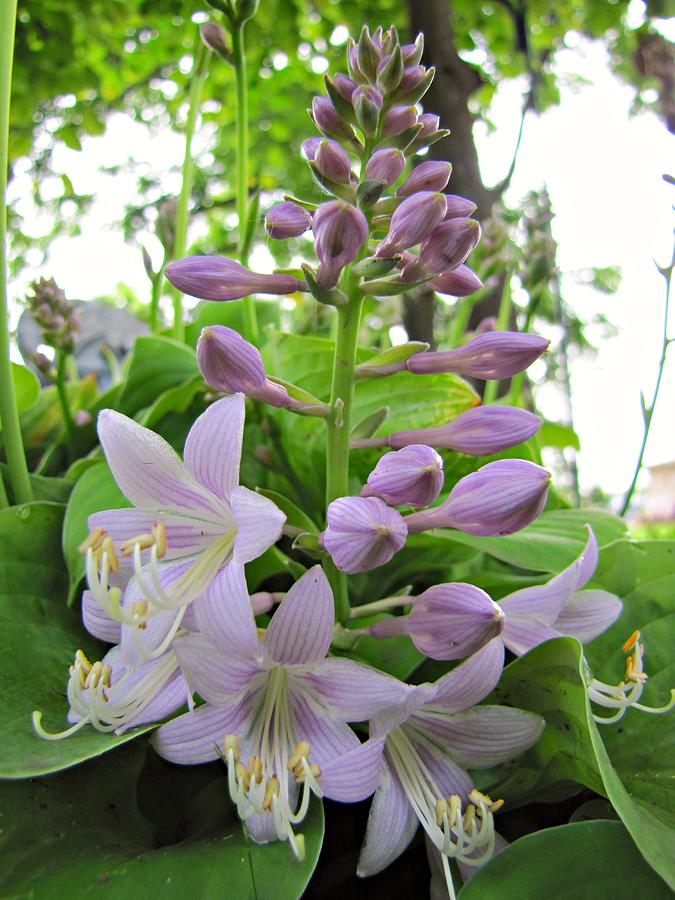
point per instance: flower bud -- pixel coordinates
(412, 76)
(447, 247)
(287, 220)
(411, 476)
(458, 207)
(363, 533)
(329, 121)
(345, 86)
(219, 278)
(83, 418)
(489, 323)
(310, 146)
(398, 119)
(214, 37)
(428, 176)
(339, 231)
(494, 354)
(478, 431)
(429, 123)
(367, 102)
(367, 54)
(459, 282)
(390, 71)
(499, 498)
(385, 165)
(447, 621)
(412, 53)
(333, 162)
(414, 88)
(412, 222)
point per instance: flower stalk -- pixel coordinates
(9, 415)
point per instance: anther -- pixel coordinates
(255, 767)
(231, 742)
(441, 810)
(469, 816)
(454, 809)
(93, 540)
(159, 537)
(632, 640)
(144, 541)
(243, 775)
(271, 790)
(300, 773)
(302, 748)
(108, 548)
(140, 611)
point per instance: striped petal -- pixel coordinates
(588, 613)
(521, 635)
(97, 622)
(354, 775)
(258, 522)
(356, 692)
(302, 627)
(392, 824)
(216, 676)
(224, 613)
(196, 736)
(213, 446)
(328, 737)
(471, 681)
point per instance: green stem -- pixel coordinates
(339, 423)
(648, 412)
(242, 124)
(369, 609)
(200, 66)
(9, 414)
(68, 421)
(154, 302)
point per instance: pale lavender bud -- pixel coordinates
(460, 282)
(398, 119)
(412, 76)
(219, 278)
(363, 533)
(329, 121)
(385, 165)
(447, 247)
(489, 323)
(494, 354)
(428, 176)
(368, 53)
(287, 220)
(412, 53)
(412, 222)
(339, 230)
(458, 207)
(429, 123)
(499, 498)
(447, 621)
(214, 37)
(345, 86)
(367, 102)
(82, 418)
(411, 476)
(478, 431)
(310, 146)
(333, 162)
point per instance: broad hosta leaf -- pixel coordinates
(81, 834)
(94, 491)
(581, 861)
(39, 638)
(26, 386)
(157, 364)
(555, 434)
(552, 542)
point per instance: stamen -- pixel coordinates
(159, 537)
(108, 548)
(144, 541)
(632, 640)
(93, 540)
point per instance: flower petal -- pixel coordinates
(258, 521)
(170, 697)
(392, 824)
(588, 613)
(521, 635)
(354, 775)
(356, 692)
(588, 561)
(224, 613)
(97, 622)
(472, 680)
(417, 696)
(148, 471)
(213, 446)
(450, 778)
(302, 627)
(183, 535)
(485, 736)
(193, 737)
(328, 736)
(543, 602)
(216, 676)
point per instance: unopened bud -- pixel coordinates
(333, 162)
(385, 165)
(398, 119)
(287, 220)
(428, 176)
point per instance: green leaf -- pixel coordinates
(39, 638)
(367, 427)
(94, 491)
(399, 353)
(295, 517)
(552, 542)
(174, 400)
(581, 861)
(43, 487)
(81, 833)
(555, 434)
(157, 364)
(26, 386)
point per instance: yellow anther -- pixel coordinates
(633, 674)
(243, 775)
(271, 790)
(299, 771)
(441, 810)
(302, 748)
(93, 540)
(144, 542)
(469, 816)
(261, 633)
(631, 642)
(482, 800)
(108, 548)
(81, 662)
(255, 767)
(454, 809)
(159, 537)
(140, 611)
(231, 742)
(94, 676)
(106, 674)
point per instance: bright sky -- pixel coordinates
(603, 172)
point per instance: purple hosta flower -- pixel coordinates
(411, 476)
(329, 122)
(493, 354)
(191, 520)
(430, 741)
(287, 220)
(398, 119)
(412, 222)
(112, 697)
(429, 123)
(232, 365)
(219, 278)
(447, 247)
(499, 498)
(362, 533)
(385, 165)
(428, 176)
(333, 162)
(276, 710)
(458, 207)
(339, 231)
(460, 282)
(447, 621)
(310, 146)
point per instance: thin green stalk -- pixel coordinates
(503, 317)
(9, 415)
(68, 421)
(648, 411)
(239, 58)
(199, 70)
(369, 609)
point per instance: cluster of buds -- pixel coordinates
(55, 315)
